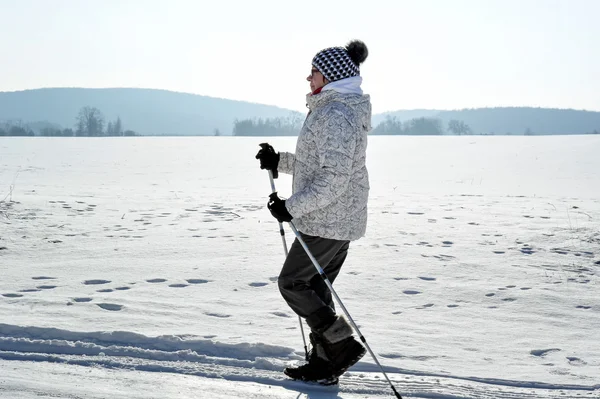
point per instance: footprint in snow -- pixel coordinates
(527, 250)
(429, 305)
(197, 281)
(96, 282)
(156, 280)
(543, 352)
(82, 300)
(428, 278)
(281, 314)
(391, 355)
(43, 278)
(11, 295)
(443, 257)
(110, 306)
(178, 285)
(105, 290)
(46, 287)
(219, 315)
(575, 361)
(259, 284)
(411, 292)
(30, 290)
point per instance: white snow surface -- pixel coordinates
(147, 268)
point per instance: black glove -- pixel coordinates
(269, 159)
(277, 207)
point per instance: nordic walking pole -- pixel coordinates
(337, 298)
(339, 301)
(328, 283)
(282, 232)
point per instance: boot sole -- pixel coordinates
(334, 380)
(329, 381)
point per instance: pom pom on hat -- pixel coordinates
(358, 52)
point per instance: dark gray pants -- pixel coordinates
(300, 283)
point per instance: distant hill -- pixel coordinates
(162, 112)
(509, 120)
(146, 111)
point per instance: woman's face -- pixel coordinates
(316, 79)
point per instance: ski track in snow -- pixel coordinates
(548, 243)
(259, 363)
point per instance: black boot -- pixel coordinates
(318, 369)
(342, 350)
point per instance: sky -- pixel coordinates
(432, 54)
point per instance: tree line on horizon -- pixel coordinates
(90, 122)
(420, 127)
(289, 126)
(390, 126)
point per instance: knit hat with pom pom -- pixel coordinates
(337, 63)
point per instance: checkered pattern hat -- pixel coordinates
(335, 64)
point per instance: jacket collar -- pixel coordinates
(314, 101)
(346, 86)
(334, 90)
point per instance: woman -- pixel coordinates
(328, 204)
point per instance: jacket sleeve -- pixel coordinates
(336, 141)
(286, 162)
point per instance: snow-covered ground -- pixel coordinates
(147, 267)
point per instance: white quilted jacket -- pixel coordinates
(330, 180)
